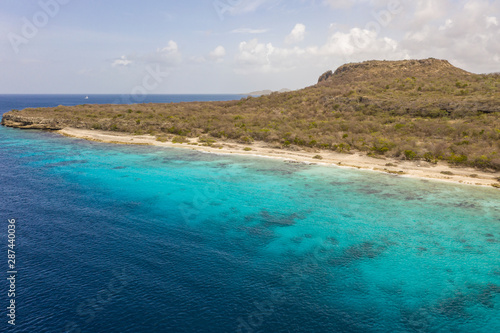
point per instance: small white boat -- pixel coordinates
(86, 97)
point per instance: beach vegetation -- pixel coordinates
(410, 155)
(162, 139)
(179, 139)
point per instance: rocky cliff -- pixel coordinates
(12, 119)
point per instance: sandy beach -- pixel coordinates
(415, 169)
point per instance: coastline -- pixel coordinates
(413, 169)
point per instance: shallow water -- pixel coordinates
(143, 239)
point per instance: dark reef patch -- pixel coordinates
(365, 250)
(278, 219)
(453, 306)
(332, 240)
(65, 163)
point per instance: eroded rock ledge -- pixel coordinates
(23, 122)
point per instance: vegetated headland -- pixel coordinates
(426, 112)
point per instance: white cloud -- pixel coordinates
(167, 56)
(248, 31)
(490, 21)
(339, 4)
(466, 35)
(355, 45)
(198, 59)
(346, 4)
(253, 54)
(249, 6)
(297, 35)
(361, 44)
(122, 61)
(170, 48)
(448, 24)
(265, 58)
(218, 54)
(428, 10)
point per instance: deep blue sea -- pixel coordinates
(122, 239)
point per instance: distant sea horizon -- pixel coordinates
(45, 100)
(127, 239)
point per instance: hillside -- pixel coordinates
(411, 109)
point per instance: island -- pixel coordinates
(423, 118)
(267, 92)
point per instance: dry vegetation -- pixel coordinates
(424, 109)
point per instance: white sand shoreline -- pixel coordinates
(413, 169)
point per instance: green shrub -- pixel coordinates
(246, 140)
(482, 162)
(341, 148)
(179, 139)
(206, 140)
(410, 155)
(399, 126)
(457, 159)
(382, 146)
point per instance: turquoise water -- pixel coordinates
(142, 239)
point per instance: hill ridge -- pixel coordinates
(376, 68)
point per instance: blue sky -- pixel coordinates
(229, 46)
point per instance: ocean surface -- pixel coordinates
(124, 239)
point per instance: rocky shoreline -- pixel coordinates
(12, 120)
